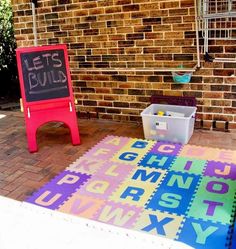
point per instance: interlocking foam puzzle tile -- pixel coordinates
(213, 200)
(118, 214)
(182, 192)
(58, 190)
(133, 151)
(175, 193)
(135, 193)
(159, 223)
(203, 234)
(219, 169)
(188, 165)
(157, 161)
(166, 148)
(207, 153)
(86, 165)
(81, 205)
(107, 147)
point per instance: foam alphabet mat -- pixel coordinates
(182, 192)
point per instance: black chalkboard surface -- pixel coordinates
(44, 74)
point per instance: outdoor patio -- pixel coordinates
(22, 173)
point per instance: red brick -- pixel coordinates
(138, 36)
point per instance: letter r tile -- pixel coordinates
(133, 192)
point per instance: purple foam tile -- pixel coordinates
(57, 191)
(166, 148)
(107, 147)
(220, 169)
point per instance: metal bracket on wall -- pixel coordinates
(34, 5)
(35, 2)
(216, 20)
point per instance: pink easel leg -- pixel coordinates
(32, 140)
(74, 134)
(74, 130)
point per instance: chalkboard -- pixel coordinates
(46, 89)
(44, 74)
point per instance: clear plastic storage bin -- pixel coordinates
(168, 122)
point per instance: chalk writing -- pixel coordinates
(44, 75)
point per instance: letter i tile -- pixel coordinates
(133, 192)
(189, 165)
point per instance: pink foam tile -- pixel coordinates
(115, 170)
(207, 153)
(107, 147)
(99, 187)
(81, 205)
(87, 165)
(118, 214)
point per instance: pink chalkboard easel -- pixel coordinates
(46, 90)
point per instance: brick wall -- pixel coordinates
(116, 48)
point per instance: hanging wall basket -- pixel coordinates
(182, 77)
